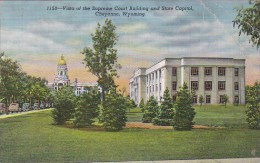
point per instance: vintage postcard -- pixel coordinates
(116, 80)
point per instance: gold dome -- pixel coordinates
(62, 61)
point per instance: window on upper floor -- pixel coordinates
(156, 75)
(174, 71)
(208, 71)
(194, 85)
(208, 85)
(160, 73)
(221, 85)
(236, 86)
(194, 71)
(236, 71)
(221, 71)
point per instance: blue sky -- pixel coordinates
(37, 37)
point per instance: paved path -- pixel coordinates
(232, 160)
(21, 113)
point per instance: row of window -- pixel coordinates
(207, 71)
(154, 88)
(207, 85)
(208, 99)
(154, 75)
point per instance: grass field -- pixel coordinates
(33, 138)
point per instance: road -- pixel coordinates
(21, 113)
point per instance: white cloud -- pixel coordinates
(132, 28)
(23, 42)
(49, 26)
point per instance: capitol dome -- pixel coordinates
(62, 61)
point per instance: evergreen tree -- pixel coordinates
(184, 112)
(151, 110)
(87, 109)
(201, 100)
(141, 105)
(253, 106)
(226, 99)
(165, 116)
(64, 103)
(113, 112)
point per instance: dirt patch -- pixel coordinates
(151, 126)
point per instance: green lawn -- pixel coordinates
(33, 138)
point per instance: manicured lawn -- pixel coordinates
(33, 138)
(217, 115)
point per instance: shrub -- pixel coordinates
(113, 112)
(162, 122)
(87, 109)
(253, 106)
(151, 110)
(184, 114)
(64, 103)
(141, 105)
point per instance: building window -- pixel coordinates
(194, 85)
(147, 79)
(236, 100)
(156, 75)
(156, 87)
(174, 86)
(236, 86)
(208, 85)
(194, 71)
(221, 71)
(153, 88)
(152, 76)
(160, 87)
(236, 71)
(221, 99)
(194, 99)
(174, 71)
(150, 89)
(208, 71)
(221, 85)
(160, 73)
(208, 99)
(174, 97)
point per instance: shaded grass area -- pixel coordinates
(33, 138)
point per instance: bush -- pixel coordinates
(141, 105)
(162, 122)
(184, 114)
(253, 106)
(113, 112)
(64, 103)
(87, 109)
(151, 110)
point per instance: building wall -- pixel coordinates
(147, 81)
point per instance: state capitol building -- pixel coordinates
(62, 79)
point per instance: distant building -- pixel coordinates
(62, 79)
(209, 77)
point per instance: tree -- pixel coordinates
(64, 103)
(225, 100)
(101, 59)
(184, 112)
(166, 113)
(142, 105)
(113, 112)
(201, 100)
(87, 109)
(248, 21)
(151, 110)
(253, 106)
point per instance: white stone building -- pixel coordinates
(209, 77)
(62, 79)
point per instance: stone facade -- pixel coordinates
(209, 77)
